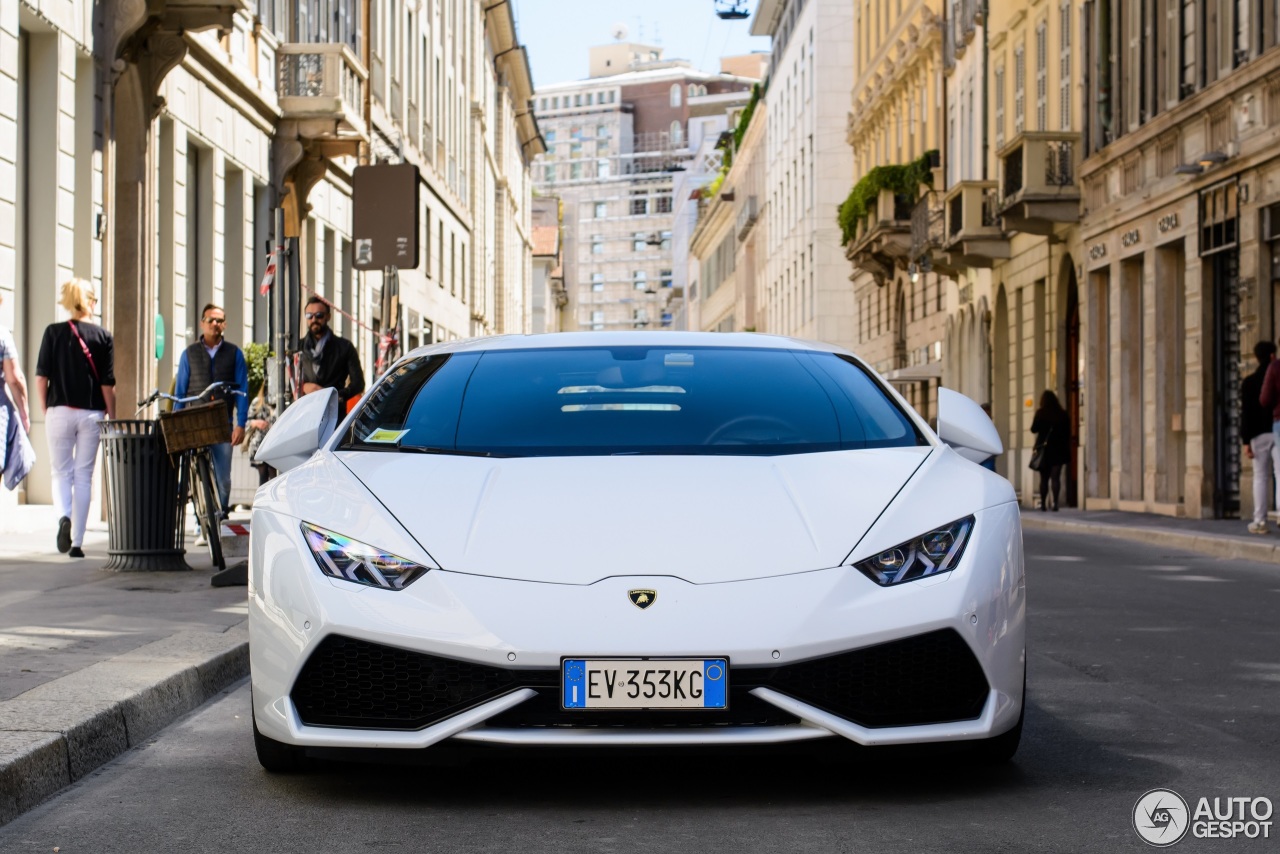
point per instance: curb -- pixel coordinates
(1262, 551)
(56, 733)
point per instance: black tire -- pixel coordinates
(207, 509)
(276, 757)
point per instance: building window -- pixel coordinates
(662, 204)
(1042, 76)
(549, 173)
(1241, 32)
(575, 171)
(999, 95)
(675, 94)
(601, 210)
(666, 241)
(638, 242)
(575, 149)
(602, 168)
(597, 316)
(597, 244)
(549, 137)
(639, 280)
(1188, 58)
(664, 278)
(602, 131)
(639, 204)
(677, 133)
(1019, 89)
(1064, 67)
(597, 282)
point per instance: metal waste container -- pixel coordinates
(144, 520)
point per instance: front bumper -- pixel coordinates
(520, 630)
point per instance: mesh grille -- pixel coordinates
(931, 678)
(926, 679)
(354, 683)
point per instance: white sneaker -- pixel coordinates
(1257, 527)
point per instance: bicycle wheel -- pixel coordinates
(207, 506)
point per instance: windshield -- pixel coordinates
(629, 400)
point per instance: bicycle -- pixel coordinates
(188, 434)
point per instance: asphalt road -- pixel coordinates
(1148, 669)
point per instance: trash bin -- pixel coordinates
(144, 519)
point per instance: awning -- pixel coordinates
(916, 373)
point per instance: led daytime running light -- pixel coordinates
(928, 555)
(349, 560)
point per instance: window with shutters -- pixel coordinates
(1042, 76)
(1187, 80)
(1019, 89)
(1242, 24)
(999, 107)
(1064, 67)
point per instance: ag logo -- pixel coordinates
(642, 598)
(1161, 817)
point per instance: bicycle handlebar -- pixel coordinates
(218, 386)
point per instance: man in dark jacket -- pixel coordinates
(328, 361)
(211, 359)
(1256, 431)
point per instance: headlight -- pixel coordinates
(927, 555)
(344, 558)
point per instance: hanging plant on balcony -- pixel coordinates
(903, 179)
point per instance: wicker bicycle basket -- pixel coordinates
(195, 427)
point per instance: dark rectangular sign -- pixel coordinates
(385, 217)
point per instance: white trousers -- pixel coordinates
(73, 451)
(1266, 463)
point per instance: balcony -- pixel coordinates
(974, 237)
(322, 89)
(882, 239)
(928, 234)
(1038, 187)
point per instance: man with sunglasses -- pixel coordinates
(328, 361)
(212, 359)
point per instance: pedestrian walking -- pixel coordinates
(16, 454)
(328, 361)
(1256, 431)
(212, 359)
(1052, 448)
(75, 379)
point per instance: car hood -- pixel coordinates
(576, 520)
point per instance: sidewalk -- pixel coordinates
(93, 662)
(1224, 538)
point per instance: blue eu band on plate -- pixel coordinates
(612, 683)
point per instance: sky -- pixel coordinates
(557, 33)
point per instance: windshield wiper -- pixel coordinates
(426, 449)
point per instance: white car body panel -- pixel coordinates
(532, 560)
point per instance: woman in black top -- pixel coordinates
(75, 376)
(1053, 432)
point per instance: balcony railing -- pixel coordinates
(322, 85)
(1038, 172)
(926, 225)
(975, 236)
(882, 238)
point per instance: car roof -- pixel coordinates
(639, 338)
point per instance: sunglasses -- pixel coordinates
(317, 315)
(215, 320)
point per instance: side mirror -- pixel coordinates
(965, 427)
(302, 429)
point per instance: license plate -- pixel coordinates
(645, 683)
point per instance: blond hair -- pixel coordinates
(75, 295)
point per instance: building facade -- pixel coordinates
(147, 146)
(615, 144)
(804, 281)
(895, 132)
(1179, 267)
